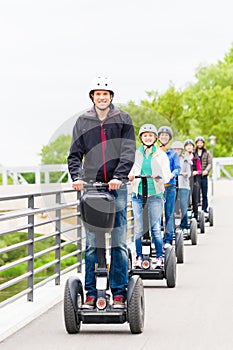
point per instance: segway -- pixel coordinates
(178, 233)
(97, 209)
(191, 233)
(210, 217)
(178, 237)
(192, 228)
(206, 217)
(201, 220)
(148, 271)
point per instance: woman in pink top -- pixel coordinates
(195, 180)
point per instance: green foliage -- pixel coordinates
(19, 253)
(203, 108)
(57, 151)
(29, 177)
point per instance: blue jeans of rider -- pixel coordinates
(170, 200)
(118, 276)
(155, 206)
(184, 198)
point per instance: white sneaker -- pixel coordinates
(138, 263)
(159, 262)
(167, 245)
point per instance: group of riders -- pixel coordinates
(103, 149)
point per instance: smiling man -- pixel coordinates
(104, 138)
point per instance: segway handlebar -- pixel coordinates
(96, 185)
(148, 177)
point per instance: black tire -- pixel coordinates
(202, 221)
(193, 231)
(170, 267)
(179, 246)
(211, 216)
(136, 308)
(72, 323)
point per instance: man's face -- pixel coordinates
(164, 138)
(102, 98)
(200, 144)
(148, 138)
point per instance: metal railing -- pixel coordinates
(63, 207)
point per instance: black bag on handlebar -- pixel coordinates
(97, 211)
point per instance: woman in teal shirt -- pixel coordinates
(149, 160)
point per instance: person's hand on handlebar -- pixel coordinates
(114, 184)
(131, 177)
(78, 185)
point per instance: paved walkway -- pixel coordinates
(197, 314)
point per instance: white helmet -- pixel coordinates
(177, 144)
(101, 83)
(148, 128)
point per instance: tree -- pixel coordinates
(202, 108)
(57, 151)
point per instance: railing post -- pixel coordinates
(37, 177)
(79, 234)
(58, 240)
(31, 249)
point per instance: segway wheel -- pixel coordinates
(179, 246)
(193, 231)
(202, 221)
(136, 308)
(211, 216)
(72, 322)
(170, 267)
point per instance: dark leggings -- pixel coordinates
(196, 194)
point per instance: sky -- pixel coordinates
(50, 50)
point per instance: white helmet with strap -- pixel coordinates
(100, 83)
(148, 128)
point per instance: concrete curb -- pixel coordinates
(21, 312)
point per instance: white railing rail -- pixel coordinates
(218, 167)
(42, 173)
(17, 174)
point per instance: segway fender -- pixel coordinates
(132, 282)
(75, 287)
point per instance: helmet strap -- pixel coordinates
(148, 146)
(163, 144)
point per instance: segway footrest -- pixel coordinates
(103, 316)
(150, 274)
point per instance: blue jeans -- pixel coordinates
(184, 199)
(155, 207)
(118, 276)
(170, 200)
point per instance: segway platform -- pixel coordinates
(150, 274)
(97, 208)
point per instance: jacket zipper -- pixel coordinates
(104, 144)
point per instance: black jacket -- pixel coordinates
(107, 147)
